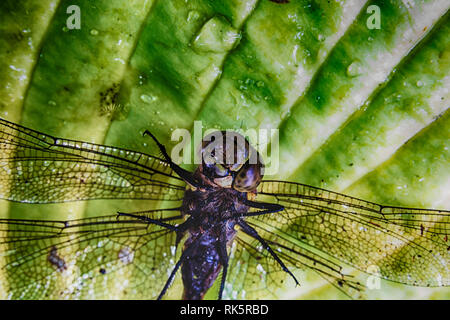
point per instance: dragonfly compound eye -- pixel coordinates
(223, 177)
(220, 170)
(249, 177)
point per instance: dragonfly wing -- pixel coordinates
(38, 168)
(405, 245)
(254, 274)
(95, 258)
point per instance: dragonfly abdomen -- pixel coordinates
(203, 263)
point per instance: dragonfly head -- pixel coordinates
(229, 161)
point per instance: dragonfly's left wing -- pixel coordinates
(38, 168)
(405, 245)
(112, 257)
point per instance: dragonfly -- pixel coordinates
(221, 223)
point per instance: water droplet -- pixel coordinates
(320, 37)
(419, 83)
(148, 98)
(142, 78)
(216, 35)
(94, 32)
(354, 69)
(299, 35)
(193, 15)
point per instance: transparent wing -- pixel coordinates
(38, 168)
(405, 245)
(108, 257)
(254, 274)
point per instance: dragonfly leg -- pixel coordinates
(182, 228)
(139, 213)
(223, 258)
(253, 233)
(153, 221)
(265, 206)
(174, 272)
(184, 255)
(184, 174)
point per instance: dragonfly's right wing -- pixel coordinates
(38, 168)
(112, 257)
(326, 232)
(405, 245)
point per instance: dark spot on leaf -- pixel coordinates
(56, 260)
